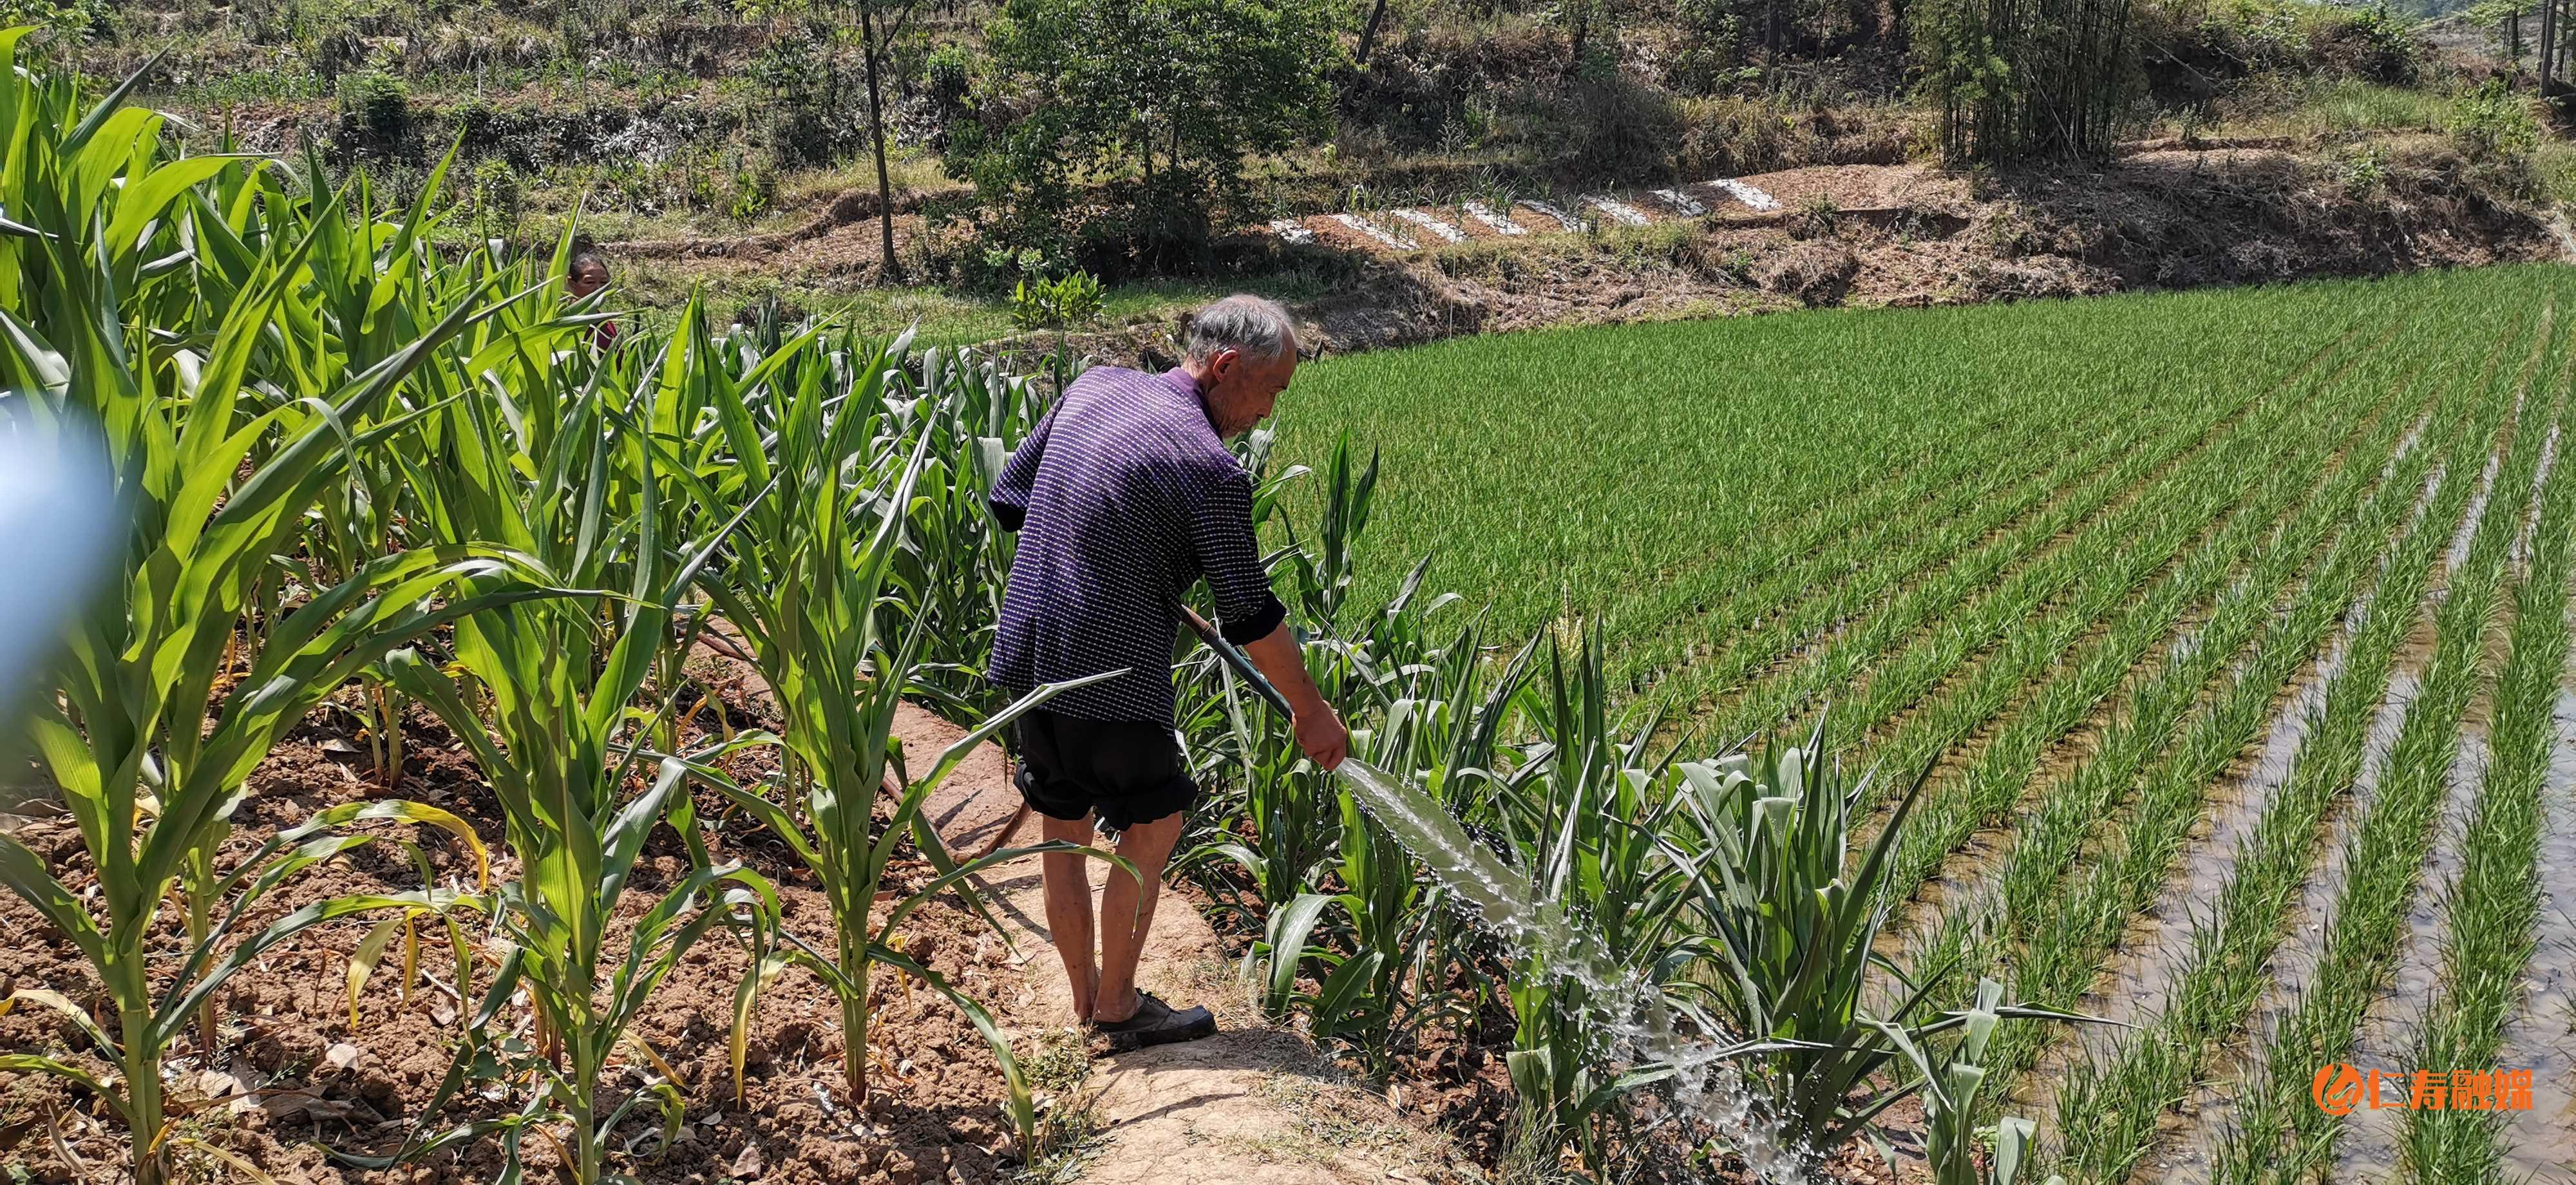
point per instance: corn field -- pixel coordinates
(2024, 643)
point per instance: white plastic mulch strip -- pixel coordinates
(1291, 230)
(1681, 201)
(1384, 236)
(1501, 223)
(1620, 212)
(1748, 195)
(1446, 232)
(1563, 219)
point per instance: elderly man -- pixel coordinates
(1124, 496)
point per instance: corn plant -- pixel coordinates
(825, 501)
(577, 485)
(1793, 928)
(1285, 829)
(1582, 817)
(1949, 1081)
(149, 730)
(953, 558)
(1360, 996)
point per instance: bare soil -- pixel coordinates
(295, 1075)
(1866, 235)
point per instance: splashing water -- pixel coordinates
(1706, 1089)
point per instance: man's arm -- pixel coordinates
(1009, 500)
(1250, 615)
(1319, 729)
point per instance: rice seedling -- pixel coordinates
(2275, 528)
(2049, 842)
(1940, 566)
(2155, 1062)
(1807, 416)
(2041, 612)
(2067, 934)
(2277, 1138)
(2494, 905)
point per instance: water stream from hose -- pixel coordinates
(1708, 1096)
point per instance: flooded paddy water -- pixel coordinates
(2540, 1144)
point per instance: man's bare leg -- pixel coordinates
(1127, 913)
(1068, 910)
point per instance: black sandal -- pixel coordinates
(1156, 1023)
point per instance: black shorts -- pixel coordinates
(1125, 771)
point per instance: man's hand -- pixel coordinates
(1319, 729)
(1321, 734)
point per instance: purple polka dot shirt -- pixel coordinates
(1123, 497)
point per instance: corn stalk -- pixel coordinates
(112, 256)
(825, 496)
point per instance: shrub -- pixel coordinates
(2493, 124)
(2364, 171)
(375, 109)
(950, 72)
(1622, 129)
(2369, 42)
(809, 122)
(68, 18)
(755, 189)
(1054, 304)
(1166, 98)
(496, 192)
(1708, 54)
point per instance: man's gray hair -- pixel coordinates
(1256, 326)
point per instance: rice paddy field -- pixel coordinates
(2231, 628)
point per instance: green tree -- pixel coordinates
(875, 24)
(1124, 124)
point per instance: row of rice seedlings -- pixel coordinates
(1873, 545)
(1802, 411)
(2071, 543)
(1665, 635)
(1975, 939)
(2225, 972)
(2046, 847)
(2061, 394)
(2492, 909)
(2279, 1135)
(1940, 562)
(2078, 684)
(2053, 607)
(2065, 932)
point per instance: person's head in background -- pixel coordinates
(587, 272)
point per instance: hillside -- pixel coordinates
(727, 143)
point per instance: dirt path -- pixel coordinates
(1251, 1106)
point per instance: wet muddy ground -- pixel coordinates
(2541, 1143)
